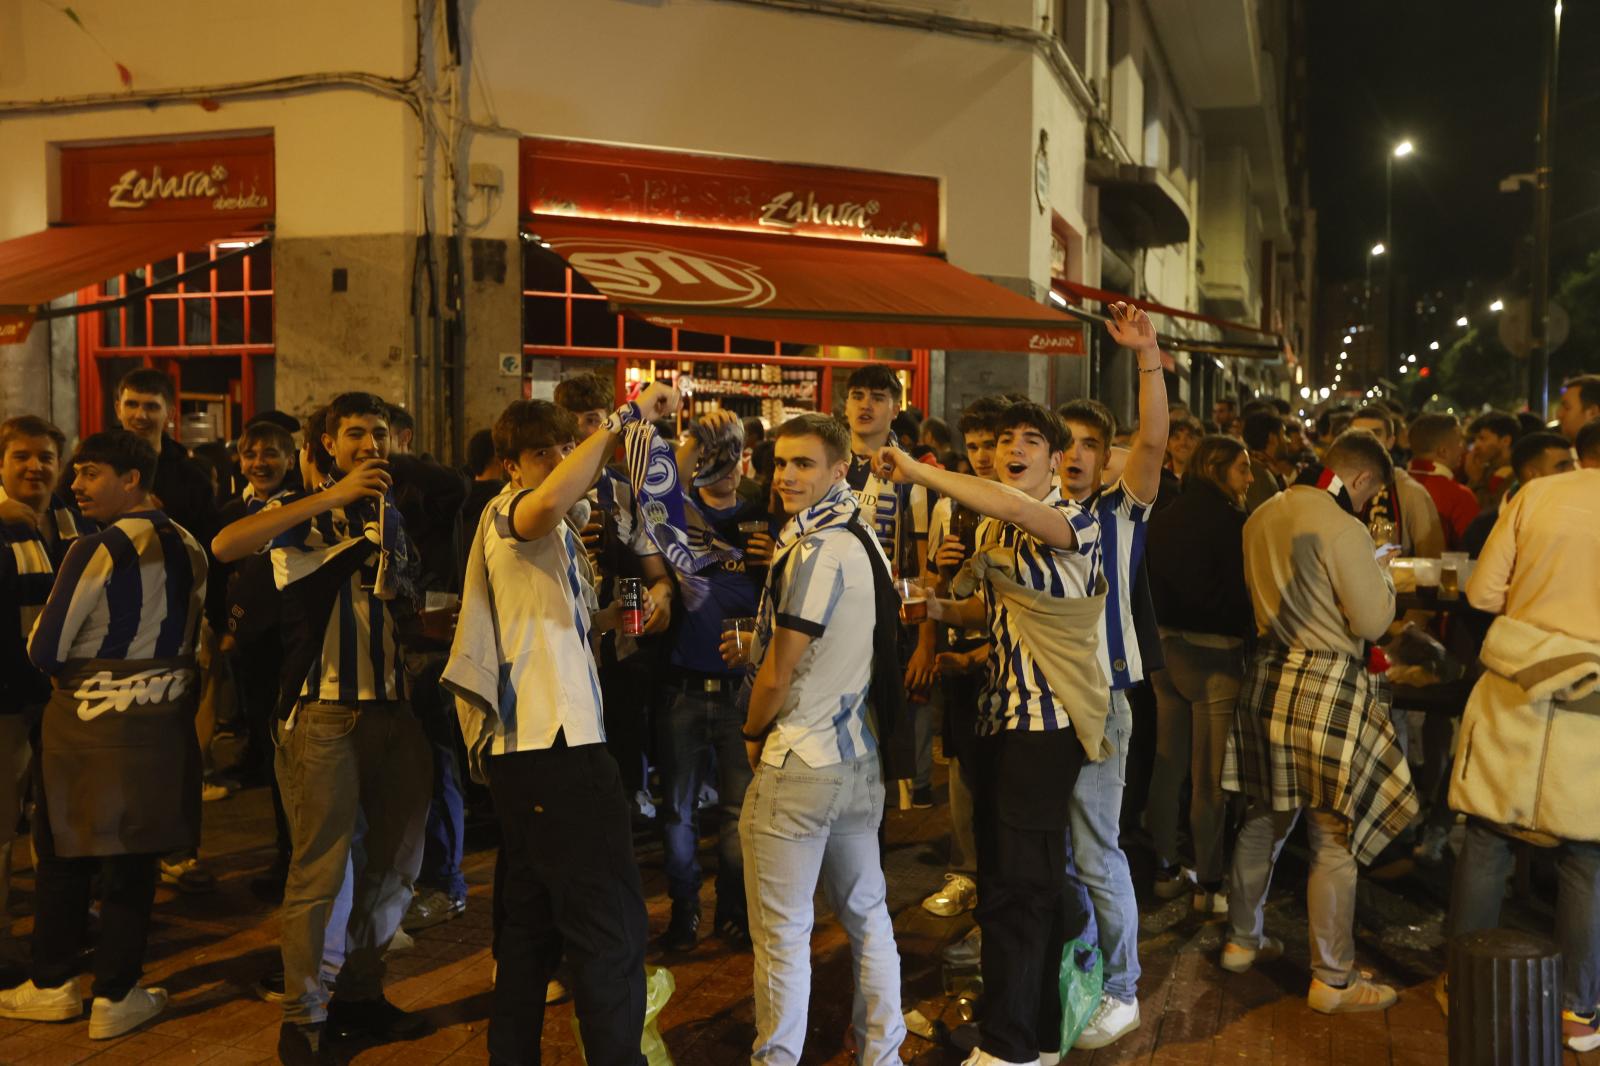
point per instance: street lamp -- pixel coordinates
(1399, 151)
(1497, 306)
(1378, 249)
(1462, 321)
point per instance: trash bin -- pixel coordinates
(1505, 999)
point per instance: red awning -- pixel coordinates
(42, 266)
(811, 292)
(1089, 292)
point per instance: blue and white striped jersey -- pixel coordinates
(1015, 694)
(132, 591)
(1124, 524)
(360, 657)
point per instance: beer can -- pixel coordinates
(630, 595)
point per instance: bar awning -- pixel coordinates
(1271, 346)
(809, 292)
(42, 266)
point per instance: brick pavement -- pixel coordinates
(208, 951)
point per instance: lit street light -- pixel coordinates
(1412, 359)
(1400, 151)
(1378, 249)
(1462, 321)
(1403, 149)
(1305, 392)
(1497, 306)
(1433, 346)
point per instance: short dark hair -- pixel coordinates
(1360, 447)
(267, 433)
(278, 418)
(1376, 413)
(1431, 429)
(480, 451)
(1325, 420)
(1530, 422)
(1184, 422)
(1588, 386)
(31, 426)
(352, 405)
(147, 379)
(1212, 457)
(1037, 417)
(588, 391)
(761, 460)
(980, 415)
(316, 422)
(1229, 400)
(874, 377)
(1260, 426)
(832, 431)
(1500, 423)
(1093, 412)
(905, 428)
(528, 425)
(122, 451)
(939, 430)
(1588, 441)
(755, 431)
(400, 418)
(1534, 445)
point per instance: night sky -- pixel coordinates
(1461, 79)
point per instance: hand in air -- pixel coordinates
(1130, 327)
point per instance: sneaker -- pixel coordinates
(429, 908)
(375, 1019)
(1114, 1020)
(187, 875)
(1360, 994)
(1174, 881)
(959, 894)
(401, 941)
(736, 931)
(967, 951)
(1580, 1032)
(212, 791)
(1431, 850)
(302, 1045)
(555, 991)
(28, 1002)
(1210, 903)
(1237, 958)
(270, 987)
(980, 1057)
(1049, 1058)
(111, 1018)
(681, 934)
(922, 798)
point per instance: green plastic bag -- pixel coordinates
(658, 988)
(1082, 979)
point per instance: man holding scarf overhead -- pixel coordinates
(1312, 729)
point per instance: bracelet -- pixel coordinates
(1151, 370)
(758, 738)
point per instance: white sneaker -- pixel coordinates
(1114, 1020)
(968, 951)
(29, 1002)
(1360, 994)
(1210, 903)
(111, 1018)
(960, 893)
(980, 1057)
(1237, 959)
(1049, 1058)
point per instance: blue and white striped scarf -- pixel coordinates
(681, 532)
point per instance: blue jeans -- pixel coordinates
(444, 841)
(697, 729)
(1480, 884)
(1104, 883)
(800, 823)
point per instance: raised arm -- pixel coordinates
(1131, 328)
(250, 534)
(540, 511)
(1039, 520)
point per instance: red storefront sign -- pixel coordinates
(569, 179)
(167, 181)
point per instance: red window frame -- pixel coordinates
(254, 297)
(572, 293)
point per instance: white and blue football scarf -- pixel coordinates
(680, 532)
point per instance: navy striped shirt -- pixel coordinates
(1016, 695)
(1124, 524)
(131, 591)
(360, 658)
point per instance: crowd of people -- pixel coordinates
(612, 614)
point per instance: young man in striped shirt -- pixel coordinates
(352, 762)
(524, 670)
(1031, 744)
(1123, 514)
(119, 763)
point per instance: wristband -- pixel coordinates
(758, 738)
(1150, 370)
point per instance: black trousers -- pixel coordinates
(569, 878)
(61, 900)
(1024, 784)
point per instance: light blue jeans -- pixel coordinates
(1104, 884)
(797, 824)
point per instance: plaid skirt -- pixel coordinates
(1312, 729)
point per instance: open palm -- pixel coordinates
(1130, 327)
